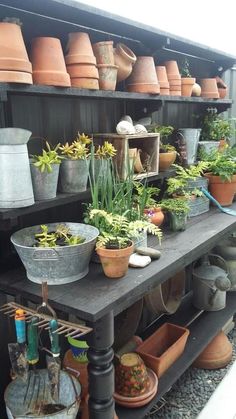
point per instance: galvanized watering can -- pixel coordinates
(15, 179)
(210, 284)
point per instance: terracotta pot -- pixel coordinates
(222, 92)
(166, 160)
(217, 354)
(103, 52)
(135, 160)
(78, 370)
(107, 76)
(85, 412)
(222, 191)
(15, 77)
(162, 77)
(124, 59)
(175, 83)
(209, 88)
(164, 92)
(79, 49)
(131, 369)
(172, 70)
(13, 54)
(143, 78)
(175, 92)
(115, 262)
(163, 347)
(83, 70)
(187, 86)
(85, 83)
(48, 62)
(155, 215)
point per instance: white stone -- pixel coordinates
(124, 127)
(139, 261)
(139, 129)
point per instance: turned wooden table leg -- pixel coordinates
(100, 369)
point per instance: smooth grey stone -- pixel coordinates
(149, 251)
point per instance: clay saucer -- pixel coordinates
(139, 403)
(144, 397)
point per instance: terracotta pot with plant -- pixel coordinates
(187, 81)
(167, 152)
(152, 209)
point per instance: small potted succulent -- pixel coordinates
(44, 173)
(187, 81)
(74, 170)
(178, 210)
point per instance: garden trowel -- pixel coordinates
(18, 350)
(53, 360)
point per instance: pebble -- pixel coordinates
(148, 251)
(138, 261)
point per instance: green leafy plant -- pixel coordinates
(223, 166)
(49, 156)
(60, 237)
(175, 205)
(179, 184)
(75, 151)
(215, 128)
(167, 148)
(145, 196)
(105, 151)
(163, 130)
(184, 70)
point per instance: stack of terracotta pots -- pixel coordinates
(106, 65)
(48, 62)
(163, 80)
(174, 77)
(15, 66)
(81, 62)
(143, 78)
(209, 88)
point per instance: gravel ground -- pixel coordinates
(190, 393)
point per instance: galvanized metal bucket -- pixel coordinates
(18, 408)
(187, 144)
(59, 265)
(15, 179)
(44, 183)
(74, 175)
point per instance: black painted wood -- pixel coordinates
(94, 296)
(202, 331)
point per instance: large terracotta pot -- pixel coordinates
(79, 49)
(83, 70)
(209, 88)
(124, 59)
(107, 76)
(166, 160)
(115, 262)
(222, 191)
(155, 215)
(187, 86)
(103, 52)
(85, 83)
(48, 62)
(217, 354)
(15, 66)
(143, 78)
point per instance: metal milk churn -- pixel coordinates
(186, 142)
(15, 179)
(210, 284)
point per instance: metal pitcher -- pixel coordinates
(210, 283)
(186, 143)
(15, 179)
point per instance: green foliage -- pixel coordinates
(223, 166)
(105, 151)
(163, 130)
(175, 205)
(179, 184)
(76, 151)
(48, 157)
(215, 128)
(53, 239)
(167, 148)
(184, 70)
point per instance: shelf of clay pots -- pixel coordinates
(66, 198)
(6, 88)
(203, 329)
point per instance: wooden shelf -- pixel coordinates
(12, 89)
(202, 331)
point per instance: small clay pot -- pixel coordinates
(107, 76)
(164, 92)
(175, 92)
(209, 88)
(216, 355)
(222, 92)
(166, 160)
(85, 83)
(187, 86)
(222, 191)
(115, 262)
(172, 70)
(83, 70)
(48, 62)
(124, 59)
(162, 77)
(175, 83)
(143, 78)
(131, 376)
(79, 49)
(103, 52)
(13, 54)
(155, 215)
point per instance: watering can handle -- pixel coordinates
(222, 260)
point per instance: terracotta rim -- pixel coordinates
(80, 59)
(126, 52)
(153, 383)
(15, 77)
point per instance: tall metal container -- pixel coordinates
(186, 142)
(15, 179)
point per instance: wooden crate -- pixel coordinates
(147, 143)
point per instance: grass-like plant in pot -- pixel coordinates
(114, 245)
(222, 178)
(74, 169)
(152, 209)
(178, 209)
(100, 158)
(44, 172)
(187, 81)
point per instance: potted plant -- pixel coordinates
(167, 152)
(178, 209)
(187, 81)
(74, 170)
(222, 178)
(44, 173)
(99, 160)
(152, 209)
